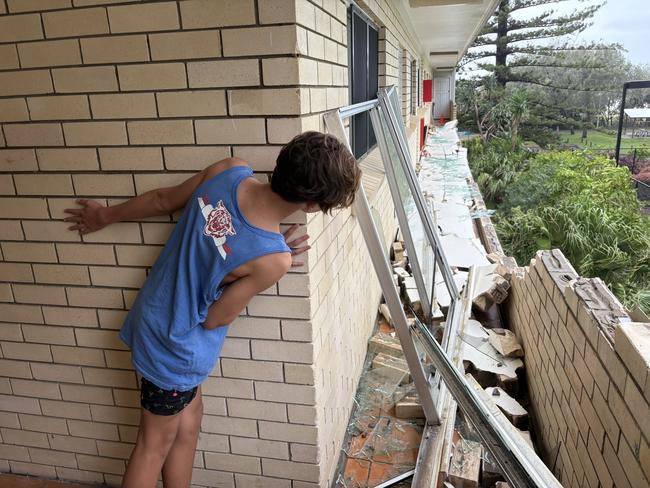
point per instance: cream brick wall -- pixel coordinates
(589, 382)
(109, 98)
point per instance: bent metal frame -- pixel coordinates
(518, 461)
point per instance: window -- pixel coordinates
(364, 77)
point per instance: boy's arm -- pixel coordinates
(267, 271)
(93, 216)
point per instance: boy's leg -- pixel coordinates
(177, 470)
(155, 438)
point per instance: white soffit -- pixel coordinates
(446, 28)
(638, 113)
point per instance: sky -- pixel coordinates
(624, 21)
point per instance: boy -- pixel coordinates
(224, 250)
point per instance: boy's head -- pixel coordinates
(316, 168)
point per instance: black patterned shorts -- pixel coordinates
(164, 402)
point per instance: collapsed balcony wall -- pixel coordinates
(587, 372)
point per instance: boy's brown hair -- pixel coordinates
(316, 167)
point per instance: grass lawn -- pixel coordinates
(601, 140)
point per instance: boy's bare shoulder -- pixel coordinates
(224, 164)
(271, 265)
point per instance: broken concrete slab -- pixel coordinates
(465, 466)
(409, 408)
(505, 342)
(385, 312)
(511, 408)
(384, 343)
(491, 288)
(485, 357)
(463, 253)
(399, 365)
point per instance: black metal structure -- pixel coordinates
(630, 85)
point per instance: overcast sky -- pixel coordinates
(624, 21)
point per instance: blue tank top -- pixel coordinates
(169, 345)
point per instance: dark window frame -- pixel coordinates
(363, 34)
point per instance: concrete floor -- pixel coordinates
(15, 481)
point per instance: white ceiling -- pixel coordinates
(446, 28)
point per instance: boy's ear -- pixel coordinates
(311, 207)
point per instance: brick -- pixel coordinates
(301, 374)
(161, 132)
(261, 158)
(73, 444)
(15, 369)
(75, 23)
(86, 394)
(633, 346)
(131, 158)
(38, 470)
(301, 414)
(255, 41)
(36, 5)
(24, 438)
(156, 233)
(53, 458)
(85, 253)
(232, 463)
(286, 71)
(213, 442)
(10, 403)
(194, 157)
(67, 159)
(259, 447)
(277, 101)
(257, 370)
(49, 53)
(282, 351)
(229, 426)
(40, 423)
(48, 334)
(284, 392)
(287, 307)
(110, 414)
(9, 57)
(236, 348)
(38, 389)
(288, 432)
(15, 160)
(231, 388)
(304, 453)
(117, 277)
(127, 398)
(137, 255)
(636, 402)
(109, 377)
(297, 330)
(25, 27)
(14, 453)
(143, 18)
(230, 131)
(67, 410)
(205, 477)
(79, 476)
(288, 469)
(197, 14)
(251, 481)
(101, 464)
(123, 106)
(191, 103)
(121, 232)
(31, 252)
(251, 327)
(6, 185)
(282, 130)
(78, 355)
(31, 82)
(630, 465)
(102, 339)
(600, 375)
(70, 316)
(611, 361)
(152, 76)
(87, 79)
(13, 110)
(95, 297)
(614, 466)
(185, 45)
(95, 133)
(111, 319)
(257, 410)
(114, 449)
(44, 184)
(223, 73)
(118, 360)
(60, 273)
(115, 49)
(103, 185)
(33, 135)
(56, 372)
(21, 313)
(11, 332)
(278, 11)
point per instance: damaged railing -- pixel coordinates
(520, 465)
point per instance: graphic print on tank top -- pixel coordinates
(218, 224)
